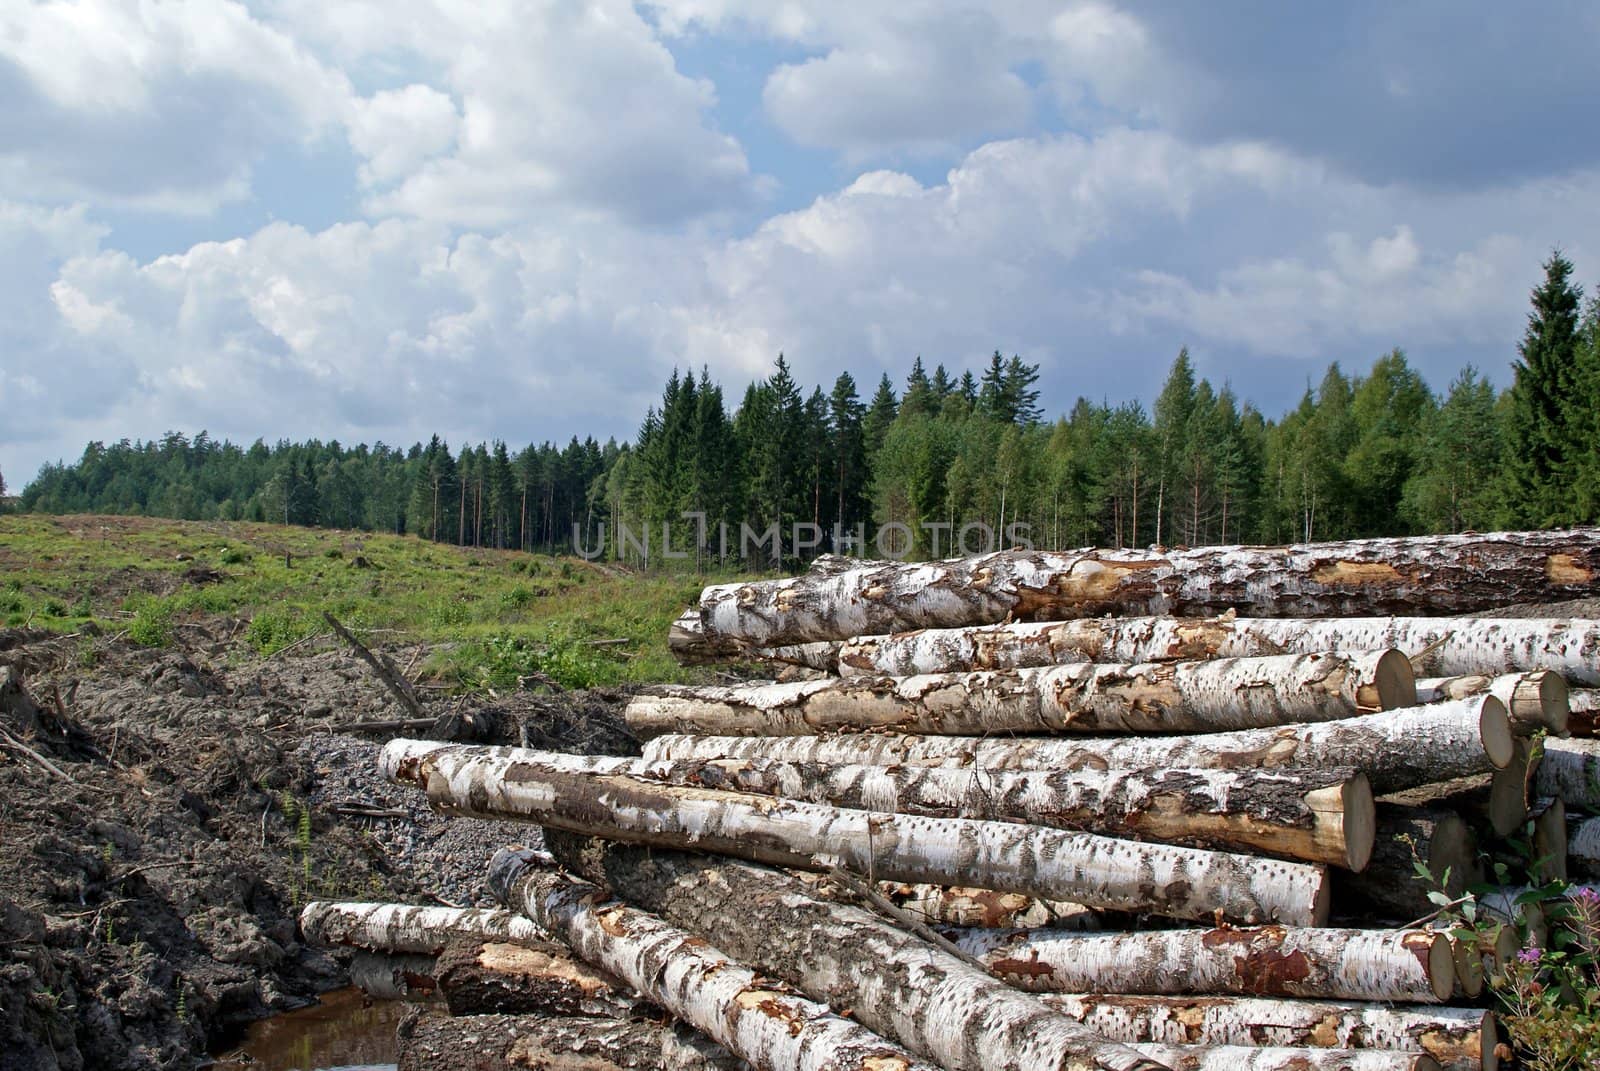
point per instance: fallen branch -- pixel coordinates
(381, 665)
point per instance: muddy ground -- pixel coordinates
(149, 882)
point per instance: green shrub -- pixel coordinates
(54, 608)
(502, 661)
(515, 598)
(333, 552)
(277, 627)
(234, 556)
(152, 623)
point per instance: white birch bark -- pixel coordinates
(1570, 771)
(1154, 697)
(385, 977)
(956, 905)
(1318, 816)
(1439, 646)
(1536, 700)
(770, 1028)
(1461, 1039)
(1313, 816)
(1397, 749)
(1269, 961)
(1583, 706)
(1583, 846)
(402, 929)
(933, 1003)
(1246, 1058)
(1047, 863)
(689, 645)
(1433, 574)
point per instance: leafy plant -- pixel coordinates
(1549, 996)
(152, 624)
(1552, 995)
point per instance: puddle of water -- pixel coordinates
(346, 1032)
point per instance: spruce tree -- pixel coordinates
(1538, 475)
(918, 399)
(1173, 407)
(846, 415)
(1584, 416)
(1022, 398)
(875, 424)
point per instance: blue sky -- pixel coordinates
(369, 220)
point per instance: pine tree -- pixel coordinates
(1538, 471)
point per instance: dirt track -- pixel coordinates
(147, 900)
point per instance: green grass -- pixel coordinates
(501, 614)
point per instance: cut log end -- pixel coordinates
(1489, 1043)
(1555, 700)
(1442, 967)
(1494, 726)
(1550, 840)
(1468, 963)
(1360, 822)
(1393, 680)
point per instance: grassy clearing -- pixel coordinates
(499, 614)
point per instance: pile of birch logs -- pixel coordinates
(1122, 810)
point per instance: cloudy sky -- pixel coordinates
(368, 220)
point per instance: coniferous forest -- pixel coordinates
(1378, 452)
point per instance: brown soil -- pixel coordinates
(148, 892)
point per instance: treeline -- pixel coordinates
(1378, 453)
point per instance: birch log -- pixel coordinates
(1397, 749)
(1461, 1039)
(936, 1005)
(1551, 844)
(1153, 697)
(688, 642)
(516, 1042)
(1583, 705)
(1269, 961)
(1583, 846)
(1050, 864)
(750, 1017)
(1536, 700)
(1496, 803)
(1570, 770)
(1436, 574)
(400, 929)
(384, 977)
(1389, 886)
(1318, 816)
(493, 977)
(1439, 647)
(1249, 1058)
(947, 905)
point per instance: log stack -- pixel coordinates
(1115, 810)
